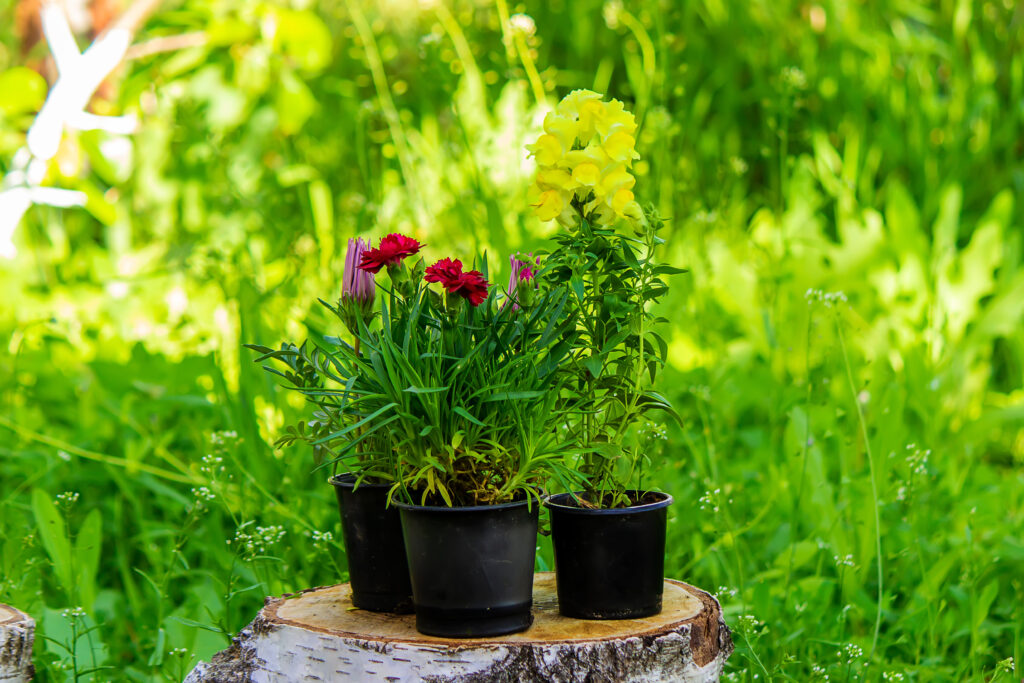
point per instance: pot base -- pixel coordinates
(383, 602)
(584, 612)
(473, 623)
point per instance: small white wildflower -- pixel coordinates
(73, 613)
(320, 538)
(794, 77)
(710, 500)
(846, 561)
(212, 465)
(748, 623)
(892, 676)
(851, 653)
(523, 23)
(203, 495)
(68, 498)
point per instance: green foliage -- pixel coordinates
(872, 150)
(616, 280)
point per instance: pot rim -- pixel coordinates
(554, 501)
(471, 508)
(347, 480)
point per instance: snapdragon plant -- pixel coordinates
(607, 257)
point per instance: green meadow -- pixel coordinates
(843, 181)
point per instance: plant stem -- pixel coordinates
(874, 486)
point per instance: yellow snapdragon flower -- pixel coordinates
(585, 154)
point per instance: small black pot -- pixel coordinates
(377, 568)
(471, 567)
(609, 563)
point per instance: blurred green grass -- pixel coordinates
(801, 150)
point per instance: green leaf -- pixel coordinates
(22, 90)
(88, 543)
(512, 396)
(669, 270)
(301, 36)
(322, 206)
(365, 421)
(294, 103)
(54, 535)
(464, 413)
(629, 257)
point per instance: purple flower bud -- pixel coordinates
(522, 271)
(357, 285)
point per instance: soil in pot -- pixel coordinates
(377, 566)
(471, 567)
(609, 562)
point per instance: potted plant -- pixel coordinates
(471, 388)
(609, 537)
(451, 393)
(343, 430)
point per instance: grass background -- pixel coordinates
(843, 180)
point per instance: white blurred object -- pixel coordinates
(80, 74)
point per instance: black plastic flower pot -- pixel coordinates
(609, 563)
(377, 568)
(471, 567)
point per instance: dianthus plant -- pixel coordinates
(449, 390)
(606, 255)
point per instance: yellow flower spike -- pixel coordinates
(547, 150)
(572, 103)
(586, 174)
(615, 179)
(593, 154)
(633, 211)
(615, 119)
(621, 148)
(550, 205)
(563, 128)
(556, 179)
(621, 200)
(590, 113)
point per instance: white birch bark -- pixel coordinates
(17, 634)
(317, 636)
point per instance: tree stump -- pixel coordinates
(17, 634)
(317, 635)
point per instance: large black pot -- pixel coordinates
(471, 567)
(377, 568)
(609, 563)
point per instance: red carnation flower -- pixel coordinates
(393, 249)
(470, 285)
(444, 270)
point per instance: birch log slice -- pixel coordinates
(318, 636)
(17, 633)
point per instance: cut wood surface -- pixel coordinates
(317, 635)
(17, 633)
